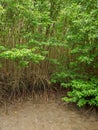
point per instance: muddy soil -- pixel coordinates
(46, 115)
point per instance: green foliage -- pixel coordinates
(2, 48)
(82, 33)
(83, 92)
(23, 56)
(60, 77)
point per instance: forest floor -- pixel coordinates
(46, 115)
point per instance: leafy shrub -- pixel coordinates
(22, 55)
(83, 92)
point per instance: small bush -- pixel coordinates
(83, 92)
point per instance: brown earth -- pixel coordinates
(46, 115)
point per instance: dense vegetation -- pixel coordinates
(47, 42)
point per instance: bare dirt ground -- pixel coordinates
(46, 115)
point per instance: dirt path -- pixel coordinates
(45, 116)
